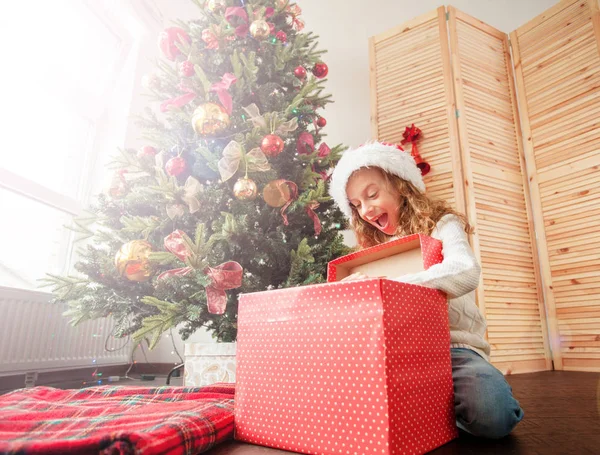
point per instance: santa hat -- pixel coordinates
(390, 158)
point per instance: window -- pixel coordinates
(62, 61)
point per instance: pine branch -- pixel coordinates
(64, 287)
(142, 225)
(155, 326)
(127, 160)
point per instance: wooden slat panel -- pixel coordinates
(557, 63)
(411, 82)
(497, 195)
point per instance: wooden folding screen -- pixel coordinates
(497, 195)
(412, 83)
(410, 66)
(557, 64)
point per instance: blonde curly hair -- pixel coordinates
(418, 213)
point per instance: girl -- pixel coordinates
(380, 189)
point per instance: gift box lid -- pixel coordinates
(409, 254)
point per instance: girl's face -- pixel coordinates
(374, 200)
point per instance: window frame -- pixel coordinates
(98, 110)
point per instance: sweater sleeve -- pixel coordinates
(459, 272)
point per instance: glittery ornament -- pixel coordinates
(210, 119)
(132, 261)
(281, 36)
(175, 166)
(300, 72)
(272, 145)
(320, 70)
(260, 29)
(245, 189)
(118, 185)
(214, 6)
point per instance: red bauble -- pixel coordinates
(146, 150)
(175, 166)
(300, 72)
(186, 69)
(281, 36)
(321, 122)
(320, 70)
(167, 40)
(272, 145)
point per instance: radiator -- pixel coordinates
(35, 336)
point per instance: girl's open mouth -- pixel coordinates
(382, 221)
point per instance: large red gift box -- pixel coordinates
(358, 367)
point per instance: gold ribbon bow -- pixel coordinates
(270, 123)
(233, 155)
(190, 189)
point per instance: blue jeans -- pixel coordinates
(483, 400)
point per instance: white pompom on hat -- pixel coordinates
(388, 157)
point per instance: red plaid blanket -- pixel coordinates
(116, 420)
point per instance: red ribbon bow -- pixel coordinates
(305, 144)
(324, 150)
(175, 244)
(412, 134)
(310, 209)
(293, 195)
(231, 12)
(179, 101)
(225, 276)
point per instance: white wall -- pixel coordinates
(344, 27)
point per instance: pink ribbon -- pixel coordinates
(310, 209)
(231, 12)
(225, 276)
(175, 244)
(222, 90)
(178, 101)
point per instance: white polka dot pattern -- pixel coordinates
(360, 367)
(431, 249)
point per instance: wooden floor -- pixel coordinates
(561, 417)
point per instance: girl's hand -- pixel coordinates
(355, 276)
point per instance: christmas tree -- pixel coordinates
(229, 194)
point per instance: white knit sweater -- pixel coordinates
(458, 276)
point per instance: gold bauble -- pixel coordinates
(277, 193)
(132, 260)
(245, 189)
(210, 119)
(259, 29)
(215, 5)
